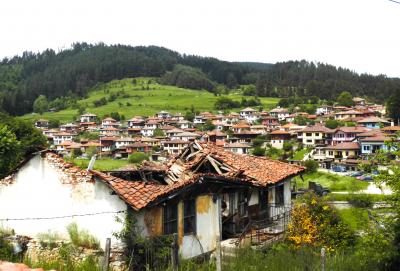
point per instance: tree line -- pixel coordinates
(302, 78)
(65, 76)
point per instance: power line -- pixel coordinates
(397, 2)
(60, 217)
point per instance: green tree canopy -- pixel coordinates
(10, 151)
(393, 106)
(345, 99)
(41, 104)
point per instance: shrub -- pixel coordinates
(6, 250)
(311, 166)
(82, 238)
(314, 223)
(258, 151)
(137, 157)
(361, 201)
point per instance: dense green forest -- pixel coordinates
(68, 74)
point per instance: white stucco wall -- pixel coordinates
(207, 229)
(38, 192)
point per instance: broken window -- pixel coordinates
(189, 216)
(170, 218)
(279, 199)
(263, 199)
(242, 204)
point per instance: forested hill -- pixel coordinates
(71, 72)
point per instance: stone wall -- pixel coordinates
(37, 250)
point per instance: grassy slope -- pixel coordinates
(299, 155)
(101, 164)
(356, 218)
(145, 102)
(332, 181)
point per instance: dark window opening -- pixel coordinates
(242, 204)
(263, 200)
(189, 216)
(279, 200)
(170, 219)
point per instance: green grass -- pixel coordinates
(356, 218)
(145, 102)
(332, 181)
(349, 197)
(101, 164)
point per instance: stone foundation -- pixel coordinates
(37, 250)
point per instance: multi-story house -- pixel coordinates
(346, 134)
(163, 115)
(61, 137)
(373, 122)
(136, 122)
(279, 113)
(278, 138)
(42, 124)
(324, 110)
(342, 151)
(88, 117)
(124, 141)
(315, 135)
(373, 144)
(249, 114)
(173, 147)
(109, 122)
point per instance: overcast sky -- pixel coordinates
(363, 35)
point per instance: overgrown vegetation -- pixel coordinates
(137, 157)
(152, 253)
(18, 139)
(81, 237)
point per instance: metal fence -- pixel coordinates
(269, 227)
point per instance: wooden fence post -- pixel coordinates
(218, 254)
(107, 251)
(323, 259)
(175, 253)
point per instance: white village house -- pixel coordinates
(202, 194)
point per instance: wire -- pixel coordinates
(397, 2)
(59, 217)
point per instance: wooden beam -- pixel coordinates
(212, 161)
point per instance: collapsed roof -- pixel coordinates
(196, 161)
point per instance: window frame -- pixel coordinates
(282, 199)
(168, 220)
(192, 216)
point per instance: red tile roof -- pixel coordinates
(345, 146)
(139, 194)
(257, 171)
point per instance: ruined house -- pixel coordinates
(204, 194)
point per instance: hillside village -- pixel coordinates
(217, 180)
(361, 130)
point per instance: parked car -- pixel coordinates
(312, 186)
(366, 178)
(338, 169)
(355, 174)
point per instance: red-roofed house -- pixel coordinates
(206, 192)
